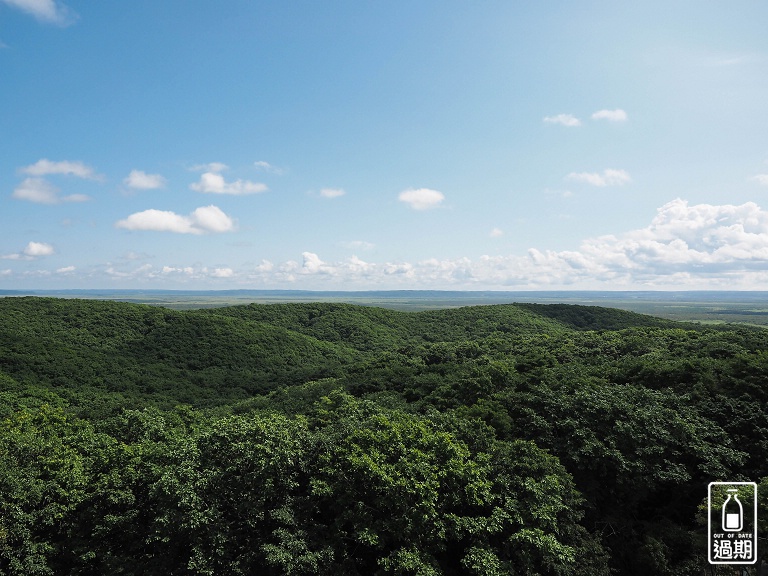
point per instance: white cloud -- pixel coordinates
(144, 272)
(399, 269)
(617, 115)
(160, 221)
(49, 11)
(563, 119)
(421, 198)
(688, 246)
(214, 183)
(351, 269)
(38, 249)
(210, 167)
(222, 273)
(761, 179)
(267, 167)
(173, 270)
(700, 240)
(212, 219)
(206, 219)
(313, 265)
(314, 269)
(699, 246)
(31, 251)
(265, 266)
(66, 270)
(45, 167)
(496, 233)
(332, 192)
(40, 191)
(37, 190)
(187, 273)
(609, 177)
(143, 181)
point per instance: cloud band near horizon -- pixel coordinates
(697, 246)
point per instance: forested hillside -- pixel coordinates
(346, 440)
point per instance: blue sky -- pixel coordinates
(383, 145)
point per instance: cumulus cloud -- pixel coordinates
(186, 273)
(332, 192)
(222, 273)
(421, 198)
(265, 266)
(37, 190)
(49, 11)
(564, 120)
(206, 219)
(313, 265)
(761, 179)
(617, 115)
(160, 221)
(140, 180)
(212, 219)
(66, 270)
(214, 183)
(40, 191)
(352, 268)
(31, 251)
(699, 240)
(45, 167)
(699, 246)
(695, 246)
(609, 177)
(175, 274)
(38, 249)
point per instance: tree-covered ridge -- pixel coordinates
(369, 328)
(594, 317)
(88, 350)
(338, 439)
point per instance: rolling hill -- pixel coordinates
(324, 438)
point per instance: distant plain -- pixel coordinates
(707, 307)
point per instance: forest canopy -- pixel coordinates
(340, 439)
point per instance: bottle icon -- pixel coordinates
(733, 513)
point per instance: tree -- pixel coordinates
(44, 473)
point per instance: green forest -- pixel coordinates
(336, 439)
